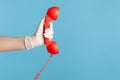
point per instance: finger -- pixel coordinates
(48, 36)
(49, 31)
(51, 26)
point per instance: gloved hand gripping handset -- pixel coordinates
(52, 14)
(51, 46)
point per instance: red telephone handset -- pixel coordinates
(52, 14)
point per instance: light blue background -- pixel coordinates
(87, 32)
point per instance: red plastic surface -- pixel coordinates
(52, 14)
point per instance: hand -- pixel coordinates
(38, 38)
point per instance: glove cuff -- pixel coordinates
(28, 43)
(33, 41)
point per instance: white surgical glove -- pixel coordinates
(38, 38)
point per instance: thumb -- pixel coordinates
(39, 31)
